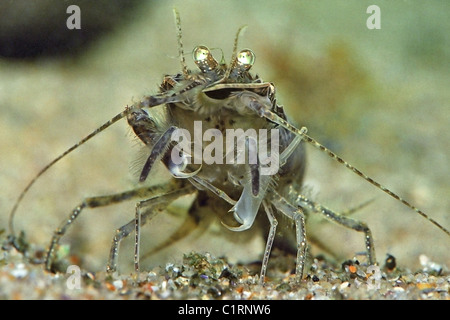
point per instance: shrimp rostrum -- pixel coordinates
(223, 137)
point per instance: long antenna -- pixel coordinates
(275, 118)
(234, 54)
(180, 43)
(24, 192)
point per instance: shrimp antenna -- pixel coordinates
(234, 54)
(275, 118)
(48, 166)
(180, 43)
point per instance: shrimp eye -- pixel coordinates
(204, 59)
(245, 59)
